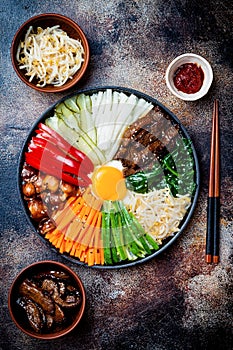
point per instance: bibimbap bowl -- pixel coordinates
(108, 177)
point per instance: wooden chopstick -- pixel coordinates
(212, 234)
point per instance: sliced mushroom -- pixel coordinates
(33, 313)
(49, 320)
(52, 288)
(59, 316)
(32, 291)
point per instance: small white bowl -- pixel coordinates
(189, 58)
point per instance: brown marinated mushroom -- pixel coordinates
(37, 209)
(33, 313)
(55, 199)
(51, 183)
(71, 300)
(29, 173)
(68, 188)
(32, 291)
(46, 225)
(29, 189)
(59, 315)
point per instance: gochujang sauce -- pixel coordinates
(188, 78)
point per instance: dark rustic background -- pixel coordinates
(175, 301)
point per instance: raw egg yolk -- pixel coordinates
(108, 183)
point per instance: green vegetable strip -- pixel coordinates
(131, 251)
(128, 221)
(117, 234)
(146, 241)
(150, 240)
(139, 231)
(106, 238)
(114, 250)
(123, 236)
(135, 244)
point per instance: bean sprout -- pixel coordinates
(50, 55)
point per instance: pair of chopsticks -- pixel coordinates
(213, 213)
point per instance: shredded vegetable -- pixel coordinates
(50, 55)
(158, 211)
(95, 124)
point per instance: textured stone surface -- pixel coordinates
(175, 301)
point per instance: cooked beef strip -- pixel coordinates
(154, 117)
(146, 141)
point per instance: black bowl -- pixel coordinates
(174, 121)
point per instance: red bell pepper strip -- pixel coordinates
(45, 156)
(37, 144)
(51, 170)
(41, 135)
(40, 144)
(62, 143)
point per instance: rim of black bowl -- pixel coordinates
(168, 241)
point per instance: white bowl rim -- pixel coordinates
(206, 84)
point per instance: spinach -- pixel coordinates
(176, 170)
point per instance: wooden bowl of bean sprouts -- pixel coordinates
(50, 52)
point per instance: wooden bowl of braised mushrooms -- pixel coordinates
(46, 300)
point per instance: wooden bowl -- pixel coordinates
(16, 298)
(49, 20)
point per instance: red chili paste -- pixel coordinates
(189, 78)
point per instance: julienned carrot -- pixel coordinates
(78, 229)
(60, 240)
(53, 236)
(82, 221)
(71, 213)
(93, 254)
(85, 237)
(68, 245)
(77, 252)
(86, 251)
(57, 217)
(87, 227)
(66, 210)
(77, 224)
(90, 257)
(74, 247)
(97, 242)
